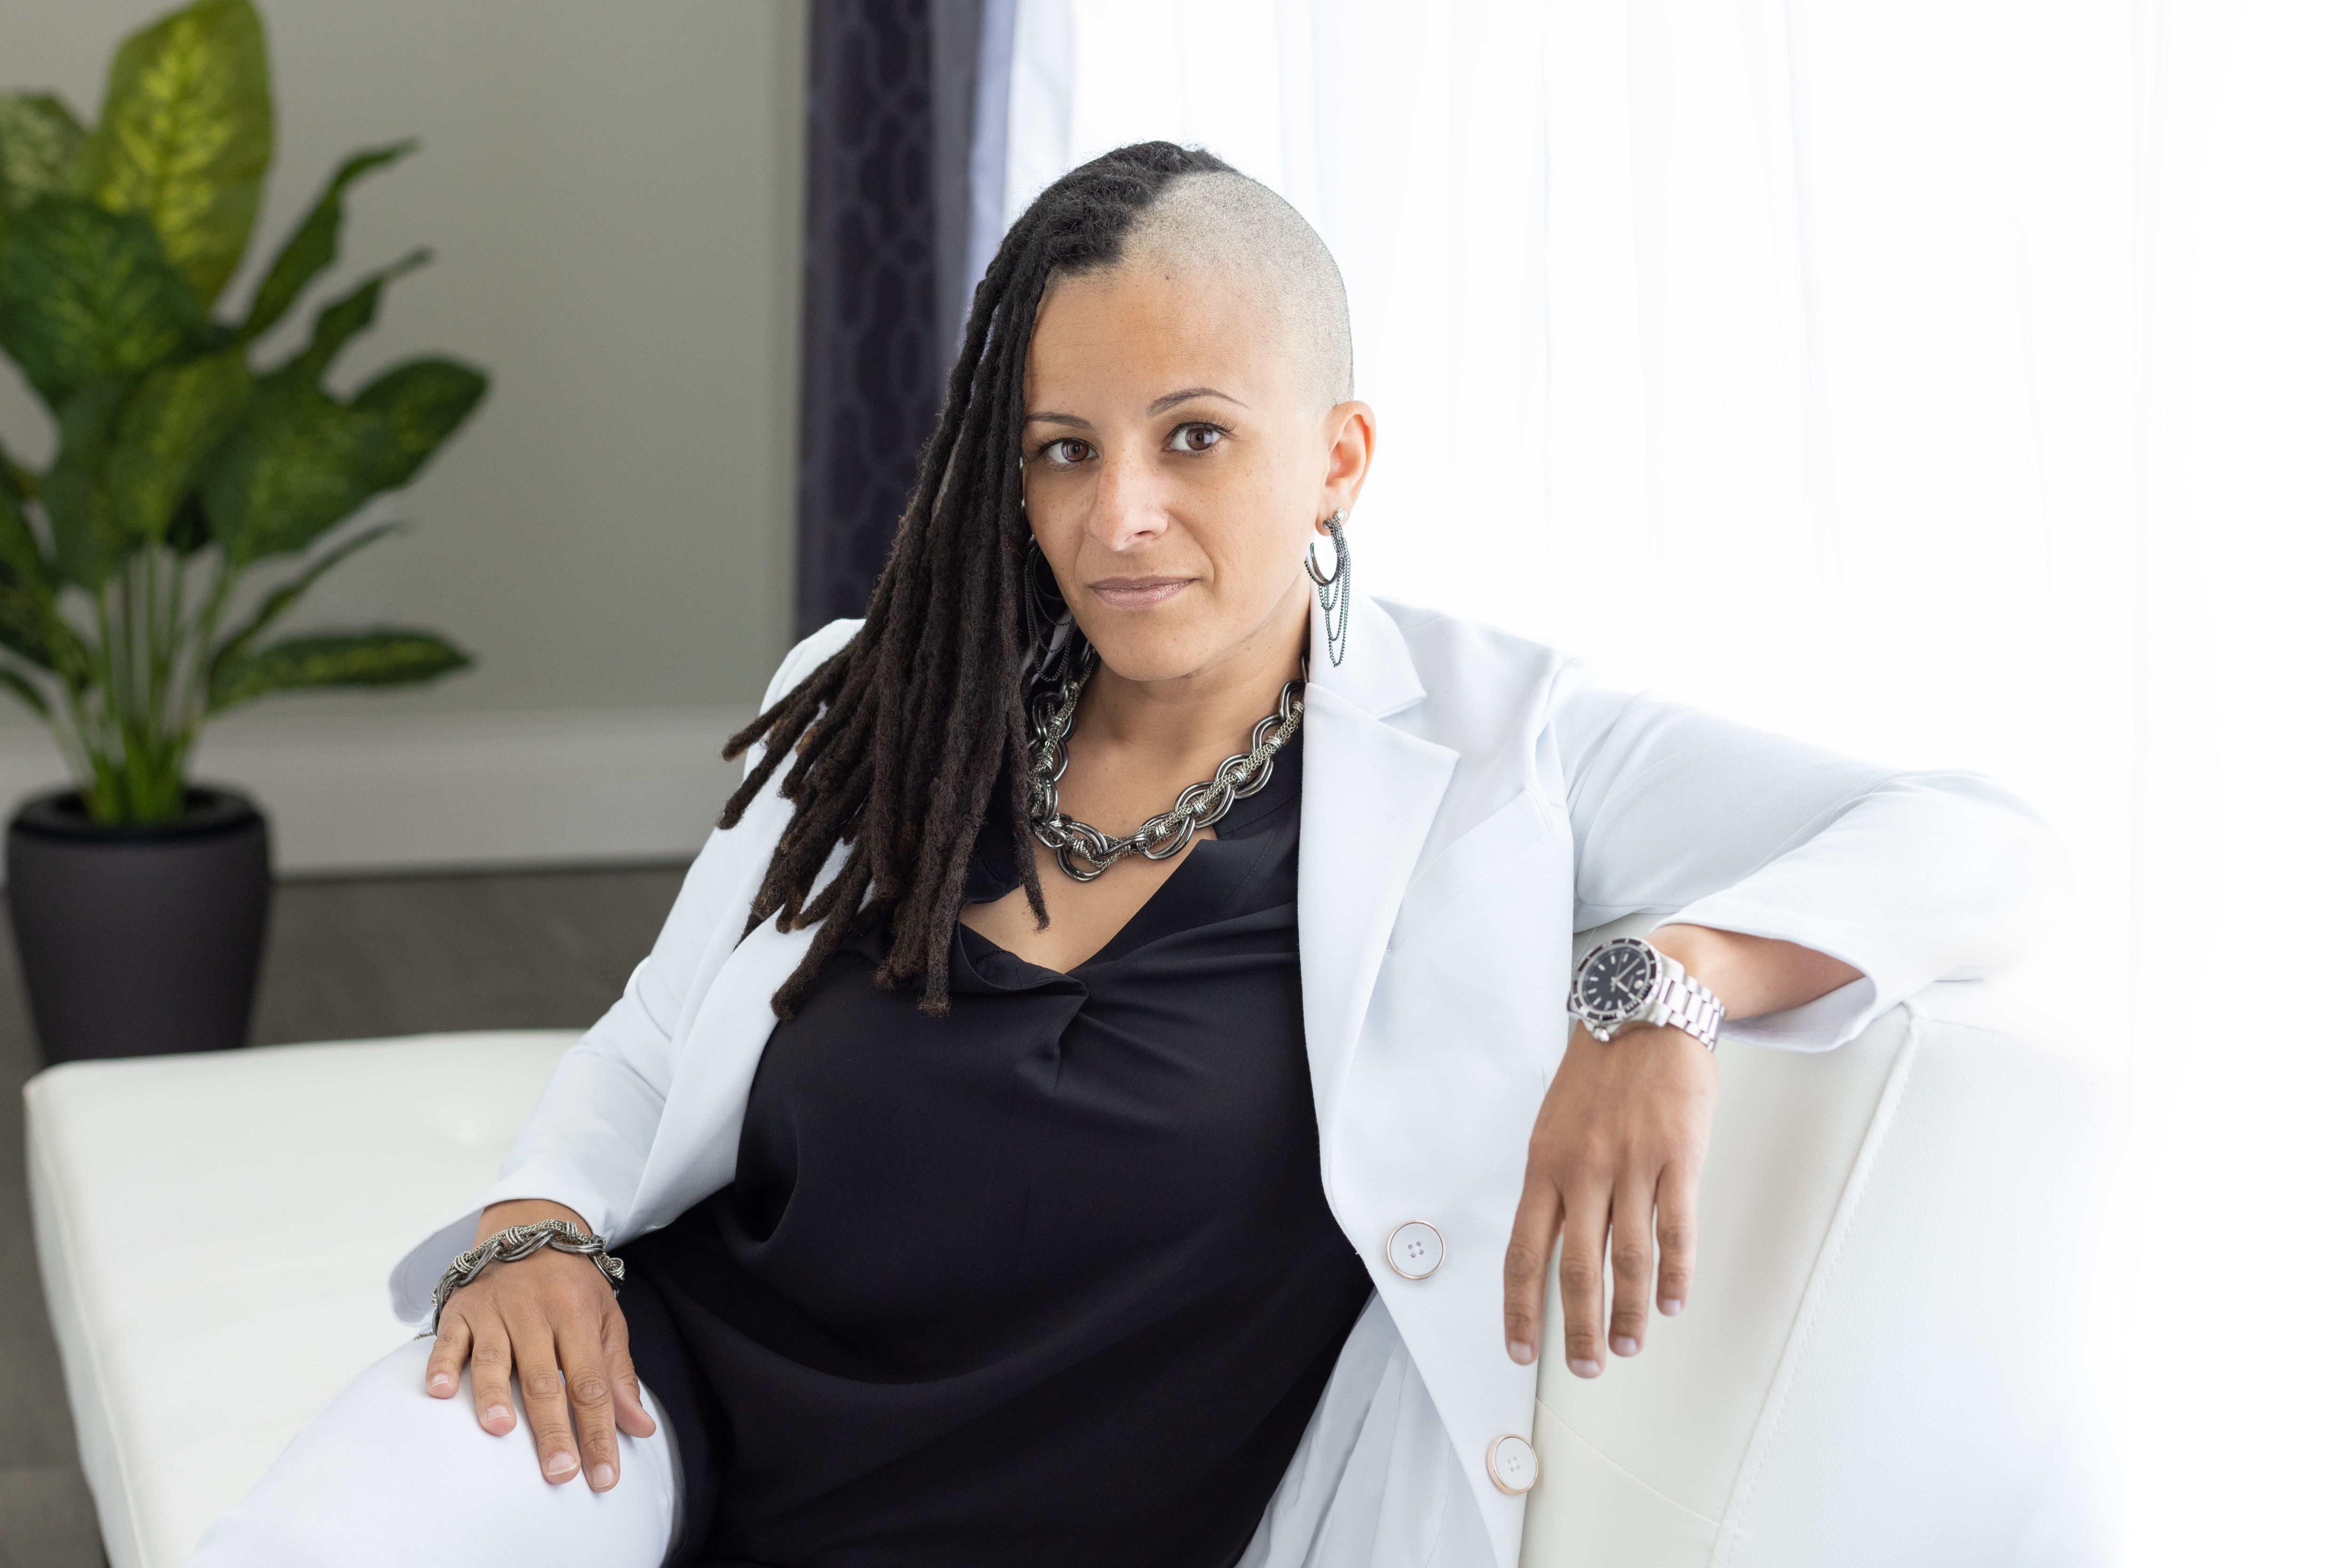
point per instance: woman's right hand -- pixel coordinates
(552, 1325)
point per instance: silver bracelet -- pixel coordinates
(513, 1245)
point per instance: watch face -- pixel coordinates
(1615, 981)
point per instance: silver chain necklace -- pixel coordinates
(1085, 853)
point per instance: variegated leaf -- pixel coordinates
(38, 137)
(186, 136)
(174, 419)
(425, 400)
(310, 249)
(384, 656)
(86, 295)
(340, 320)
(298, 463)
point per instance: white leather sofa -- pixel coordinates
(1878, 1367)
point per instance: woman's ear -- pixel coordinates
(1352, 434)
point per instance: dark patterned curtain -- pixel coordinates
(895, 89)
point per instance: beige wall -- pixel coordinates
(611, 190)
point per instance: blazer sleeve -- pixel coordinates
(587, 1139)
(1911, 877)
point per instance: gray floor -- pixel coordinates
(345, 959)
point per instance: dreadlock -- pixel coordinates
(903, 734)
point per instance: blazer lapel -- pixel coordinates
(694, 1148)
(1368, 796)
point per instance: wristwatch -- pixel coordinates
(1627, 981)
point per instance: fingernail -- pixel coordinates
(1670, 1306)
(560, 1465)
(498, 1413)
(1522, 1352)
(601, 1476)
(1585, 1368)
(1625, 1344)
(443, 1382)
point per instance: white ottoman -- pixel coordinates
(215, 1231)
(1879, 1367)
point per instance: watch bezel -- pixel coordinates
(1612, 1017)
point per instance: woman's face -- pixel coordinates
(1177, 458)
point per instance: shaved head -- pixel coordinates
(1227, 226)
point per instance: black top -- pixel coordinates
(1051, 1279)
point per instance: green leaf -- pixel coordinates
(65, 650)
(82, 529)
(425, 400)
(20, 549)
(27, 692)
(190, 529)
(31, 628)
(386, 656)
(86, 295)
(38, 136)
(339, 321)
(282, 598)
(301, 461)
(22, 631)
(310, 249)
(19, 480)
(173, 420)
(185, 137)
(25, 607)
(298, 464)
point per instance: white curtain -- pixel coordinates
(1956, 384)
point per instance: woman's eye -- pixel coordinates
(1068, 450)
(1194, 437)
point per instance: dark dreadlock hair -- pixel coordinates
(903, 734)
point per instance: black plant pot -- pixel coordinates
(140, 939)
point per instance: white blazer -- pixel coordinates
(1470, 801)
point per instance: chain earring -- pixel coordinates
(1333, 591)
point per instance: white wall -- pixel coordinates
(611, 190)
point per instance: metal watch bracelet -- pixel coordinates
(513, 1245)
(1683, 1004)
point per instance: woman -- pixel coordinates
(999, 1189)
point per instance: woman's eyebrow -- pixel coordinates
(1173, 398)
(1159, 405)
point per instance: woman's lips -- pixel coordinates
(1138, 593)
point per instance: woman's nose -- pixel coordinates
(1130, 504)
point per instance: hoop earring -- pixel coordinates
(1333, 591)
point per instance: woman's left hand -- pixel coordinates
(1621, 1138)
(1620, 1142)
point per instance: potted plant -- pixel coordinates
(194, 497)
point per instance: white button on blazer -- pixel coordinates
(1416, 1249)
(1470, 801)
